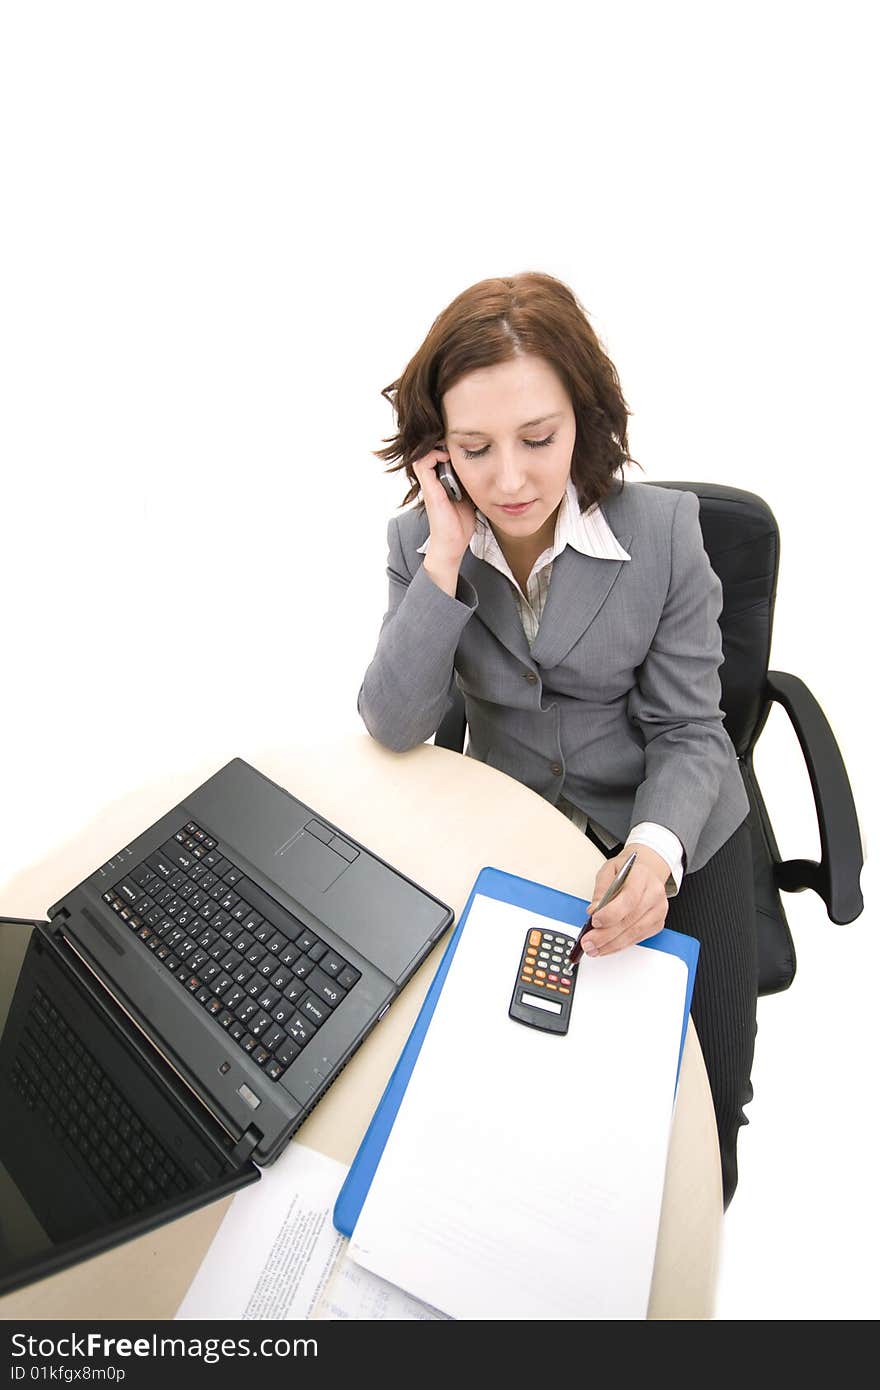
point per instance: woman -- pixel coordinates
(578, 614)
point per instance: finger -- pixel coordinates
(623, 905)
(424, 471)
(603, 878)
(643, 924)
(620, 919)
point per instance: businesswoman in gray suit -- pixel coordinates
(578, 614)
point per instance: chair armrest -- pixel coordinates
(836, 878)
(450, 733)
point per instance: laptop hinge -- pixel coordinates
(56, 910)
(246, 1144)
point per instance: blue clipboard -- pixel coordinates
(521, 892)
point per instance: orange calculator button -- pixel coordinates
(534, 938)
(539, 974)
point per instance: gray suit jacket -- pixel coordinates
(616, 704)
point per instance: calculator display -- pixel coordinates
(540, 1003)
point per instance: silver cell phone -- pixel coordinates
(451, 485)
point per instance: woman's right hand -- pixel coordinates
(452, 523)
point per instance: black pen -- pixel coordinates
(611, 891)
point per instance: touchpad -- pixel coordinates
(306, 860)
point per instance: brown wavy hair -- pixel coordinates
(494, 321)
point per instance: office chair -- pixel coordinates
(741, 538)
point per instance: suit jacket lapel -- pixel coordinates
(497, 605)
(579, 585)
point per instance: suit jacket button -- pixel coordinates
(531, 678)
(556, 769)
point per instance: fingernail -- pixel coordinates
(590, 949)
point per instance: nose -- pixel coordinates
(510, 475)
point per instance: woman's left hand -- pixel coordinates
(640, 908)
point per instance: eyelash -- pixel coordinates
(531, 443)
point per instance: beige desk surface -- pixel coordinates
(440, 818)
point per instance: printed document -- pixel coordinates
(277, 1254)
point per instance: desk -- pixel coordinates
(440, 818)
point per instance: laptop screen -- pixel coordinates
(94, 1145)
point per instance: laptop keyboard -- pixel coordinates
(58, 1077)
(264, 977)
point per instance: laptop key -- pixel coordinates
(306, 940)
(315, 1010)
(161, 866)
(259, 1023)
(300, 1030)
(348, 977)
(273, 1069)
(272, 1037)
(178, 856)
(331, 964)
(328, 990)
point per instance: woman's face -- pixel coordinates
(510, 431)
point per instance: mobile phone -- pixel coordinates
(545, 981)
(446, 475)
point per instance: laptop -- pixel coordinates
(183, 1009)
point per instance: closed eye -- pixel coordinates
(530, 443)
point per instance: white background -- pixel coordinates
(226, 227)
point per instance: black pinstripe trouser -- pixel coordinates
(716, 904)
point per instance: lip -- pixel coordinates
(518, 510)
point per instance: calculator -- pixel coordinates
(545, 982)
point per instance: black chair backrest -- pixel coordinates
(741, 538)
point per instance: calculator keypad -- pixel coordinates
(545, 964)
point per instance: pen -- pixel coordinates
(611, 891)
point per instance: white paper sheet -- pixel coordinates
(277, 1254)
(524, 1172)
